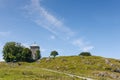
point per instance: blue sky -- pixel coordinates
(67, 26)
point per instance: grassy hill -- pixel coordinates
(95, 67)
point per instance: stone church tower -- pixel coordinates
(34, 48)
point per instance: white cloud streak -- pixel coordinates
(83, 45)
(50, 22)
(52, 37)
(46, 20)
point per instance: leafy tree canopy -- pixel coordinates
(26, 55)
(54, 53)
(13, 51)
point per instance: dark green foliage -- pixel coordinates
(54, 53)
(38, 55)
(26, 55)
(85, 54)
(13, 51)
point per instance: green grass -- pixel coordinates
(27, 71)
(89, 66)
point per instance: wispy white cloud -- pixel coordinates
(46, 20)
(42, 17)
(52, 37)
(82, 44)
(3, 34)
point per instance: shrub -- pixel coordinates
(85, 54)
(54, 53)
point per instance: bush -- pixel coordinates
(54, 53)
(85, 54)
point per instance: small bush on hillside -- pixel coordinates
(54, 53)
(85, 54)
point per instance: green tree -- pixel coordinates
(38, 55)
(85, 54)
(11, 50)
(26, 55)
(54, 53)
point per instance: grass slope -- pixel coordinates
(27, 71)
(94, 67)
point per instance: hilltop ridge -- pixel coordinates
(94, 67)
